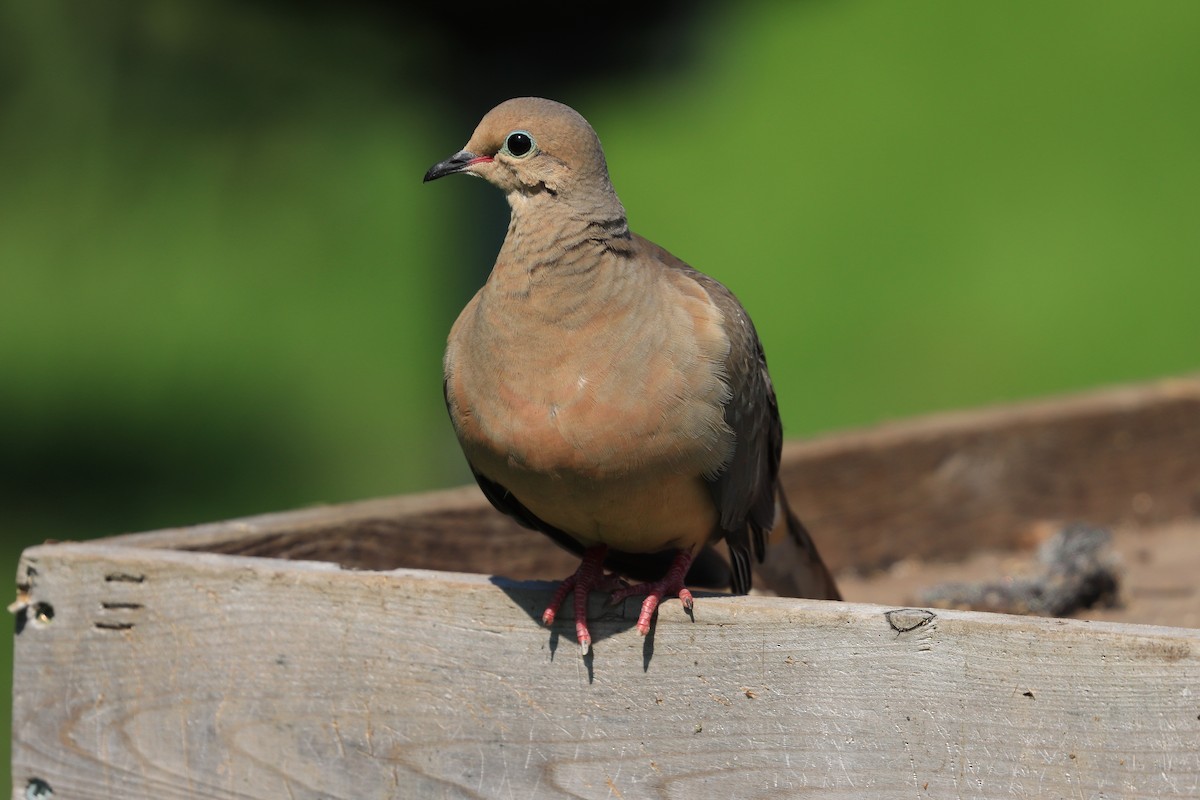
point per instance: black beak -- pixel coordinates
(455, 163)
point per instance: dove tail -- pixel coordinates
(812, 577)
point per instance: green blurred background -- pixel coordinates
(224, 290)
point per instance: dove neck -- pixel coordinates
(560, 258)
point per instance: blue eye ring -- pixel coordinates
(520, 144)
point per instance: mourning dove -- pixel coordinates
(603, 391)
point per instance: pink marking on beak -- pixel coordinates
(479, 160)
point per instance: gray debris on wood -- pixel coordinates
(1078, 570)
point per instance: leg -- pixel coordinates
(589, 575)
(671, 585)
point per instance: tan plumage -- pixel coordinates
(603, 391)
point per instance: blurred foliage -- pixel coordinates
(223, 289)
(935, 205)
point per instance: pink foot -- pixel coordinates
(589, 576)
(671, 585)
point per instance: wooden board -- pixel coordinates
(146, 673)
(955, 483)
(934, 488)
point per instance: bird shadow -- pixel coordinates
(604, 619)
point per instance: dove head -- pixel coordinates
(530, 146)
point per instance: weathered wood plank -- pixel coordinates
(954, 483)
(453, 529)
(933, 488)
(189, 675)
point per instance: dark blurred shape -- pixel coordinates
(1078, 570)
(102, 469)
(474, 56)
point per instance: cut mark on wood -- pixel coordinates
(114, 626)
(123, 577)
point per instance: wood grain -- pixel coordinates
(161, 674)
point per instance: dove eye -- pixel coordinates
(519, 144)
